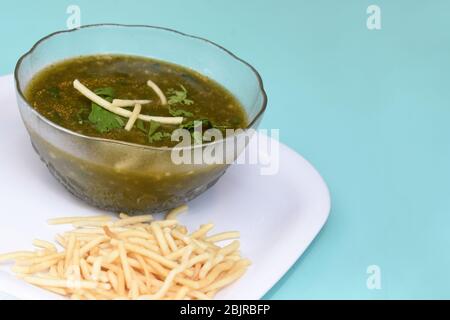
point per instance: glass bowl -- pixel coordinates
(120, 176)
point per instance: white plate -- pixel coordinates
(278, 216)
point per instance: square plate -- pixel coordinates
(278, 215)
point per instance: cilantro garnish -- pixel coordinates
(158, 136)
(153, 135)
(192, 125)
(103, 120)
(179, 113)
(195, 126)
(119, 120)
(153, 127)
(107, 92)
(140, 125)
(179, 97)
(205, 123)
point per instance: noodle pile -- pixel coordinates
(131, 258)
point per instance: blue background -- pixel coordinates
(370, 109)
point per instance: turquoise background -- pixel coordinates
(370, 109)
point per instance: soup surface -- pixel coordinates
(196, 98)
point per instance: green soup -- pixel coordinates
(190, 95)
(118, 177)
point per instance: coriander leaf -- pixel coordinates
(103, 120)
(120, 121)
(205, 124)
(105, 92)
(180, 113)
(192, 125)
(177, 96)
(158, 136)
(141, 125)
(154, 136)
(153, 127)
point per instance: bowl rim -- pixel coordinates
(70, 132)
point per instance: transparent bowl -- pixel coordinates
(120, 176)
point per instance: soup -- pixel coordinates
(188, 95)
(79, 94)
